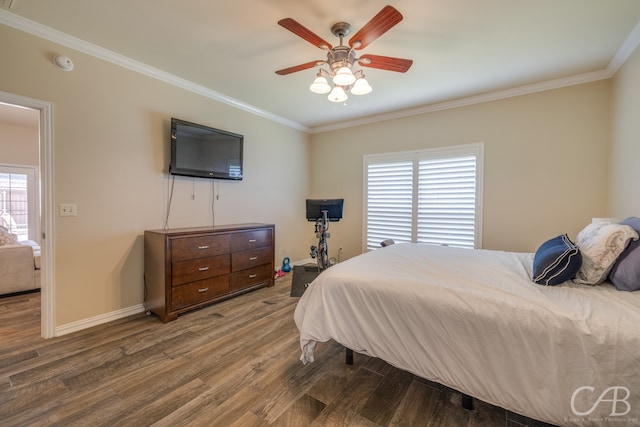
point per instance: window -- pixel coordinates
(18, 201)
(430, 196)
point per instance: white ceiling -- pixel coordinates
(460, 48)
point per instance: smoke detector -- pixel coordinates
(63, 62)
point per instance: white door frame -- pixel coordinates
(47, 282)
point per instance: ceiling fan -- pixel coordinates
(341, 58)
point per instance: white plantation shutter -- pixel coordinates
(389, 202)
(429, 196)
(447, 201)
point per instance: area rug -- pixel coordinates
(302, 276)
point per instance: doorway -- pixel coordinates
(39, 113)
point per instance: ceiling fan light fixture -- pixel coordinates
(338, 95)
(320, 85)
(344, 77)
(361, 87)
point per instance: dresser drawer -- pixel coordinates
(198, 269)
(251, 239)
(252, 258)
(196, 292)
(199, 246)
(250, 277)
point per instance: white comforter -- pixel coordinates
(473, 320)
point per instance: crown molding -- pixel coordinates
(625, 51)
(471, 100)
(28, 26)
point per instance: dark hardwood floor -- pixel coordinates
(235, 363)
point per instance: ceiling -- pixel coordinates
(460, 48)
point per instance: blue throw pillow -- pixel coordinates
(556, 261)
(625, 274)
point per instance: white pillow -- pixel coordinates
(600, 244)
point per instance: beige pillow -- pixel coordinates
(600, 244)
(7, 238)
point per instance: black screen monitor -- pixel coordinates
(332, 206)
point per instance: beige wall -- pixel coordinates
(18, 144)
(111, 151)
(624, 183)
(545, 162)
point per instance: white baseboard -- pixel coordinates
(98, 320)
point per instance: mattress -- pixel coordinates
(473, 320)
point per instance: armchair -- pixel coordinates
(19, 264)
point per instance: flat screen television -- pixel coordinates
(205, 152)
(332, 206)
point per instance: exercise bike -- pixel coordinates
(321, 252)
(323, 211)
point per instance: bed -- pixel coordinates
(474, 320)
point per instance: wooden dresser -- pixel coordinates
(188, 268)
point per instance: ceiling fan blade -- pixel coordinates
(296, 68)
(385, 63)
(301, 31)
(377, 26)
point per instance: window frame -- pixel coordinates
(474, 149)
(33, 199)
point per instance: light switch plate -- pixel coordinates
(68, 209)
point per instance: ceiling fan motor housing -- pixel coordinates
(340, 56)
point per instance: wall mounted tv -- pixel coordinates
(205, 152)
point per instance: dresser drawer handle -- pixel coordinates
(203, 247)
(253, 258)
(203, 268)
(252, 240)
(203, 290)
(253, 276)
